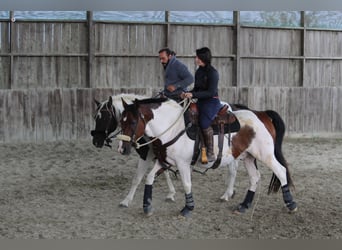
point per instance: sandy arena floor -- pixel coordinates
(72, 190)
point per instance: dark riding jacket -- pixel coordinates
(206, 91)
(176, 73)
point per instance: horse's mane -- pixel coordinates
(239, 106)
(127, 97)
(150, 100)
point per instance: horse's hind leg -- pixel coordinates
(280, 172)
(232, 169)
(254, 177)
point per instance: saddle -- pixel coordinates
(225, 122)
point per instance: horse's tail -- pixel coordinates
(279, 126)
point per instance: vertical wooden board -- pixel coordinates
(4, 37)
(55, 112)
(294, 116)
(312, 73)
(15, 115)
(43, 125)
(5, 114)
(257, 98)
(26, 115)
(246, 42)
(89, 111)
(5, 72)
(123, 36)
(99, 37)
(242, 95)
(224, 67)
(27, 72)
(77, 72)
(132, 42)
(57, 37)
(310, 104)
(33, 106)
(336, 101)
(269, 42)
(69, 119)
(153, 76)
(159, 38)
(3, 96)
(80, 103)
(228, 94)
(246, 72)
(84, 113)
(336, 73)
(78, 38)
(48, 36)
(270, 72)
(62, 76)
(276, 100)
(49, 73)
(107, 71)
(20, 34)
(323, 43)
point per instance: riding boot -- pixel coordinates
(208, 135)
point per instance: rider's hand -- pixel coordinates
(186, 95)
(171, 88)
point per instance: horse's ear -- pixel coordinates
(110, 101)
(124, 104)
(97, 102)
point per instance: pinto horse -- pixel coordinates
(162, 120)
(107, 117)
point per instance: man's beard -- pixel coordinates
(165, 64)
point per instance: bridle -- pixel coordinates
(112, 115)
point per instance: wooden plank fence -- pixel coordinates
(64, 114)
(52, 71)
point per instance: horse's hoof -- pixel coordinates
(170, 199)
(224, 198)
(148, 211)
(148, 214)
(185, 212)
(292, 209)
(240, 209)
(123, 205)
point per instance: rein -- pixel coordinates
(138, 145)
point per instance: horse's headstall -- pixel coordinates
(123, 138)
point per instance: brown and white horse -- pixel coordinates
(162, 120)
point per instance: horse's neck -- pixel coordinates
(167, 122)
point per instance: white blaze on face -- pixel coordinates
(120, 149)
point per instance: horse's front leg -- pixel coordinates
(232, 169)
(139, 174)
(147, 201)
(172, 191)
(185, 173)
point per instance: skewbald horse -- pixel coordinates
(162, 120)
